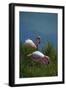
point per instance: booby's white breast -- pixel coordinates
(38, 53)
(29, 41)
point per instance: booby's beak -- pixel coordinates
(29, 55)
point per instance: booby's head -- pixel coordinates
(37, 41)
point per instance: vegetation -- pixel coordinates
(30, 68)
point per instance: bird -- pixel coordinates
(39, 57)
(31, 44)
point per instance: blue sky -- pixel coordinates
(34, 24)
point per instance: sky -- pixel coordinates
(33, 24)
